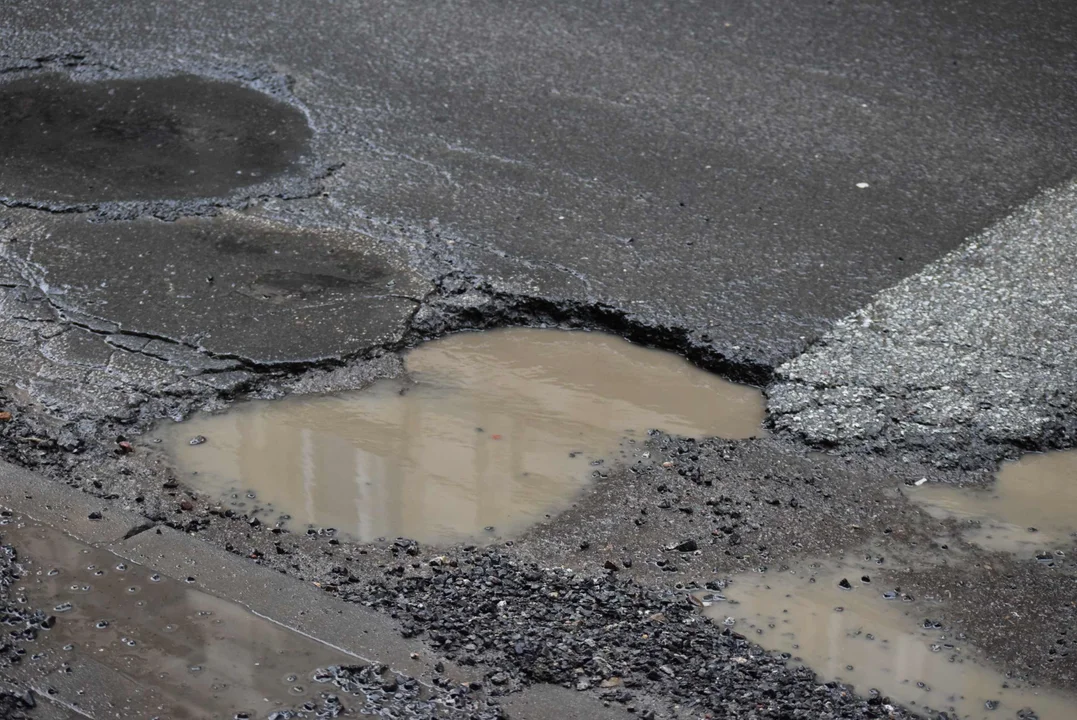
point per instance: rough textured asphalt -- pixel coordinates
(971, 359)
(719, 180)
(705, 154)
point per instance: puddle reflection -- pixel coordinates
(494, 432)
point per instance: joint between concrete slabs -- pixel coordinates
(355, 630)
(300, 607)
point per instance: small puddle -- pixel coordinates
(129, 642)
(871, 637)
(1029, 510)
(494, 432)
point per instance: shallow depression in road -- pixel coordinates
(872, 636)
(1030, 509)
(489, 433)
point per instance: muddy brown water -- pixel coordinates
(1029, 509)
(493, 432)
(874, 638)
(129, 642)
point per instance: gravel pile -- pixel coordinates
(375, 690)
(18, 625)
(603, 633)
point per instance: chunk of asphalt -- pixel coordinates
(969, 361)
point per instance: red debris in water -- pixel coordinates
(496, 437)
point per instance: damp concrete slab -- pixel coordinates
(300, 606)
(48, 710)
(80, 515)
(98, 689)
(535, 703)
(747, 174)
(971, 360)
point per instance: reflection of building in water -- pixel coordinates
(489, 435)
(402, 468)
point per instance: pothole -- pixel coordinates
(491, 433)
(1031, 508)
(843, 622)
(129, 642)
(175, 138)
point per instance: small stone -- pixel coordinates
(197, 440)
(610, 565)
(94, 515)
(845, 584)
(687, 546)
(186, 505)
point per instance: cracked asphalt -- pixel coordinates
(866, 210)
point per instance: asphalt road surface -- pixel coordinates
(865, 208)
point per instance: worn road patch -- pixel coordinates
(67, 143)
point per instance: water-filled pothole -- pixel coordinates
(1031, 507)
(843, 622)
(178, 137)
(492, 432)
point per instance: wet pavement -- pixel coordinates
(170, 650)
(486, 434)
(728, 183)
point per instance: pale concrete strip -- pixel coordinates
(59, 506)
(548, 702)
(293, 604)
(296, 605)
(48, 710)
